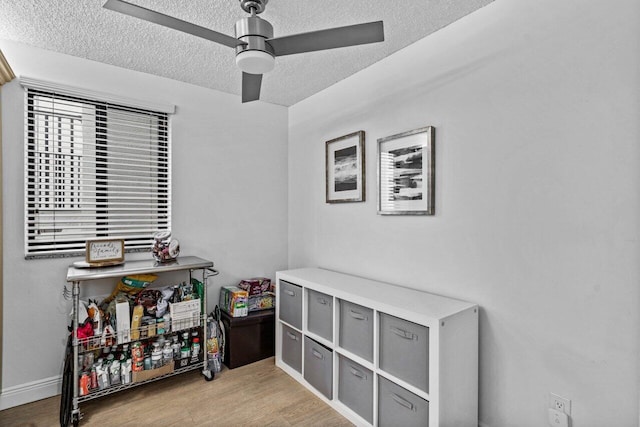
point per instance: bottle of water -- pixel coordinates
(167, 353)
(175, 346)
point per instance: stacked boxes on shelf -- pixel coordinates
(250, 295)
(261, 295)
(248, 320)
(234, 301)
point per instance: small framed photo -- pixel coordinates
(406, 173)
(345, 176)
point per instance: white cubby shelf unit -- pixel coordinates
(379, 354)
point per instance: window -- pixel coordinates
(93, 169)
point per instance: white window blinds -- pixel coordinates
(93, 169)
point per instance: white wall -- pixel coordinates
(229, 202)
(536, 108)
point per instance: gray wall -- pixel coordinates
(536, 110)
(229, 202)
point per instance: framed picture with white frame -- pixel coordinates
(406, 173)
(344, 168)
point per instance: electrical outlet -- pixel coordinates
(559, 403)
(558, 418)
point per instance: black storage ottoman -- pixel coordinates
(248, 339)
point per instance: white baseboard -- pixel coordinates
(30, 392)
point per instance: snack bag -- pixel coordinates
(131, 285)
(149, 300)
(165, 299)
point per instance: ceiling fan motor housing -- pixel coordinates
(256, 52)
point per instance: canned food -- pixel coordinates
(138, 366)
(137, 352)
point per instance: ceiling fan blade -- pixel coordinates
(332, 38)
(251, 87)
(171, 22)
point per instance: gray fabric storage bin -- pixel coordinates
(356, 329)
(290, 302)
(318, 367)
(399, 407)
(355, 387)
(320, 314)
(292, 348)
(404, 350)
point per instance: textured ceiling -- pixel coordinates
(83, 28)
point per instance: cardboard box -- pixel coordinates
(256, 286)
(264, 301)
(152, 373)
(234, 301)
(136, 322)
(123, 322)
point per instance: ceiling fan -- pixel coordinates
(255, 46)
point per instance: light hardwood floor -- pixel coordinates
(259, 394)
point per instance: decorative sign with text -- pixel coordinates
(105, 252)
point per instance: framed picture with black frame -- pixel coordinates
(406, 173)
(344, 168)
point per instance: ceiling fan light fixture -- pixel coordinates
(255, 55)
(255, 61)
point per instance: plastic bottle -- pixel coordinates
(125, 371)
(175, 346)
(103, 376)
(147, 363)
(185, 340)
(124, 355)
(185, 348)
(156, 356)
(93, 380)
(167, 353)
(185, 352)
(195, 347)
(114, 373)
